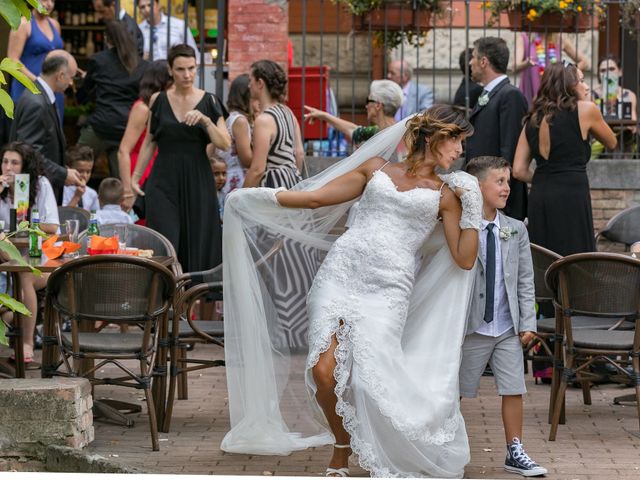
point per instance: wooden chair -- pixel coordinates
(597, 285)
(74, 213)
(624, 227)
(185, 331)
(542, 258)
(115, 289)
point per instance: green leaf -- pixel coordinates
(36, 4)
(24, 9)
(14, 254)
(11, 13)
(23, 225)
(6, 103)
(3, 334)
(14, 69)
(13, 304)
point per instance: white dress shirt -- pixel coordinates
(502, 321)
(112, 214)
(492, 84)
(89, 197)
(47, 89)
(160, 47)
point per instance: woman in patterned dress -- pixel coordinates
(277, 144)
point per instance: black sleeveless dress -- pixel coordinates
(560, 216)
(180, 193)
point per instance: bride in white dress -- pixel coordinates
(386, 310)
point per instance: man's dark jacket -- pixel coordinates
(497, 126)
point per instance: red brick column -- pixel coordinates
(258, 29)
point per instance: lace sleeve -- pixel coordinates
(471, 199)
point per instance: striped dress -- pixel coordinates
(295, 265)
(281, 161)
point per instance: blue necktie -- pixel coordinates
(490, 274)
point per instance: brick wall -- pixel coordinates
(38, 412)
(258, 29)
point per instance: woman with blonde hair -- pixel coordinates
(373, 312)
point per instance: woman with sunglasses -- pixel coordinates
(557, 134)
(384, 100)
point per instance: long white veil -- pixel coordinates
(268, 402)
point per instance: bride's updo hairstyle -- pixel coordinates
(430, 128)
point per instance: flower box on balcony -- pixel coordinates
(570, 22)
(393, 17)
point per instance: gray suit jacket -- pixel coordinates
(36, 122)
(419, 97)
(517, 269)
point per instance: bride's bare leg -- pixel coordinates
(326, 396)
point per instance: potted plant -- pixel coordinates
(392, 21)
(545, 15)
(630, 11)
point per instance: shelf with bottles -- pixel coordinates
(75, 13)
(83, 43)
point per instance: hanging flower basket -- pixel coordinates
(549, 22)
(393, 18)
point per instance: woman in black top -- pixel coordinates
(185, 124)
(113, 75)
(556, 134)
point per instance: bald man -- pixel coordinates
(417, 97)
(36, 120)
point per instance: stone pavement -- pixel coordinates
(596, 442)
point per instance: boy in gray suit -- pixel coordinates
(502, 310)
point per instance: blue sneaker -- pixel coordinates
(519, 462)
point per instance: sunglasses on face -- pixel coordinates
(371, 101)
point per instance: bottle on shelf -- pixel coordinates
(75, 17)
(90, 17)
(82, 48)
(93, 225)
(68, 15)
(35, 240)
(91, 47)
(83, 18)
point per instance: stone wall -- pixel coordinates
(38, 412)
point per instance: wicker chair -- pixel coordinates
(623, 227)
(542, 259)
(115, 289)
(74, 213)
(184, 331)
(598, 285)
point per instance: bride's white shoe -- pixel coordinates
(337, 472)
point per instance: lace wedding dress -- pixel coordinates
(389, 290)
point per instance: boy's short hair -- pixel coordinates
(110, 191)
(479, 166)
(79, 153)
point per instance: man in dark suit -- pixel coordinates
(36, 120)
(106, 10)
(497, 115)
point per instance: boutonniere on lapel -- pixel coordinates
(505, 233)
(483, 99)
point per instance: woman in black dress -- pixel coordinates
(181, 200)
(557, 135)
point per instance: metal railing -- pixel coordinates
(358, 48)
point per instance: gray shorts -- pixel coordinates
(504, 355)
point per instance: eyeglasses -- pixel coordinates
(371, 101)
